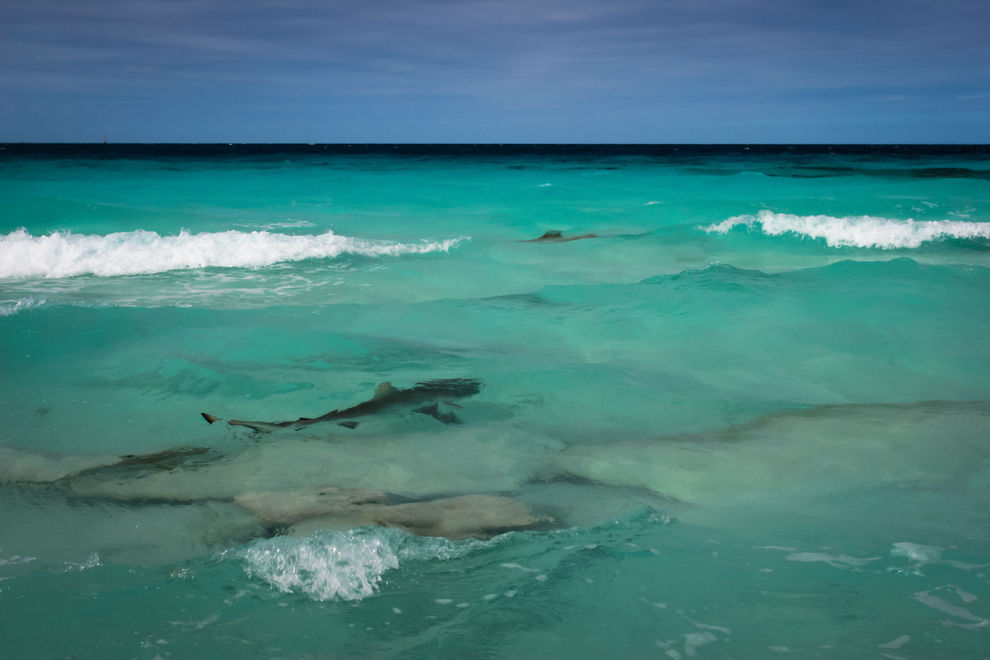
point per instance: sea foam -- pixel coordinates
(328, 565)
(856, 231)
(343, 565)
(64, 254)
(11, 307)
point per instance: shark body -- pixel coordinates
(182, 477)
(429, 393)
(555, 236)
(191, 474)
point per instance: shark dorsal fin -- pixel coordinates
(383, 390)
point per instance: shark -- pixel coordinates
(201, 475)
(180, 477)
(555, 236)
(428, 393)
(473, 515)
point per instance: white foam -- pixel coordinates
(64, 254)
(856, 231)
(835, 561)
(693, 640)
(964, 596)
(342, 565)
(927, 598)
(93, 561)
(13, 307)
(916, 552)
(328, 565)
(16, 559)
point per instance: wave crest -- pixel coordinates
(857, 231)
(64, 254)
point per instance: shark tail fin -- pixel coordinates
(384, 389)
(210, 418)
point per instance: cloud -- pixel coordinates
(537, 55)
(548, 42)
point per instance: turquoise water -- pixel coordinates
(750, 418)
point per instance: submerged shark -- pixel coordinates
(429, 393)
(201, 475)
(453, 517)
(177, 477)
(555, 236)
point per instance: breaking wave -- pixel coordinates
(64, 254)
(856, 231)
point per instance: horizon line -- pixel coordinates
(504, 144)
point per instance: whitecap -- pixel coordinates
(856, 231)
(64, 254)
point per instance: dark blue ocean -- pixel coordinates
(745, 414)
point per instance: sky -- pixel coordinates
(588, 71)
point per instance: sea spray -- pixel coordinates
(342, 565)
(345, 565)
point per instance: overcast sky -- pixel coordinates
(495, 70)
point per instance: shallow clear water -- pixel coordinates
(749, 418)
